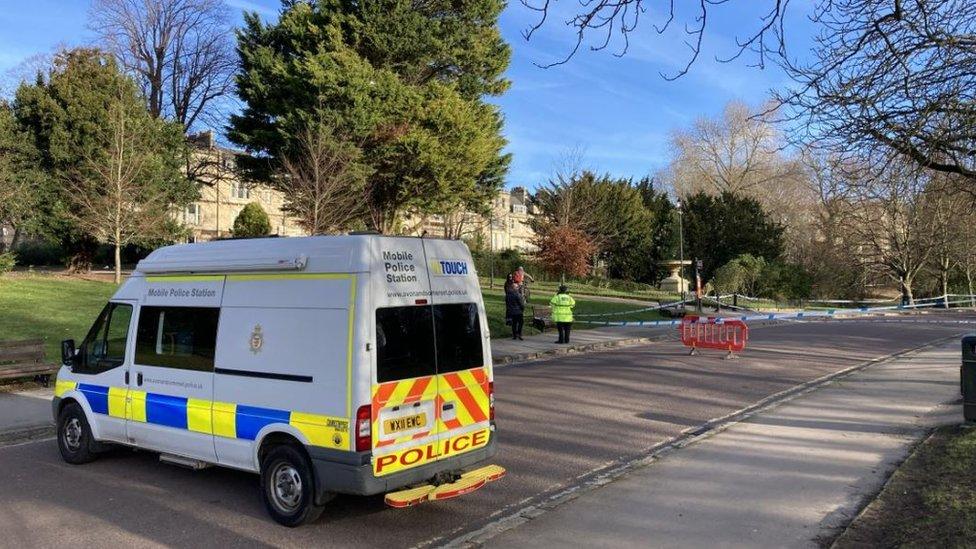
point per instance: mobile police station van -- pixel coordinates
(355, 364)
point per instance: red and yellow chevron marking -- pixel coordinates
(398, 393)
(468, 390)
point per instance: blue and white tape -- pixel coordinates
(795, 315)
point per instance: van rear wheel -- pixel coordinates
(75, 439)
(288, 486)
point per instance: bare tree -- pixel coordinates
(889, 223)
(180, 51)
(116, 195)
(944, 209)
(742, 152)
(738, 153)
(324, 181)
(892, 76)
(965, 250)
(619, 18)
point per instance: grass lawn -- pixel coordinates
(59, 307)
(50, 307)
(495, 308)
(578, 288)
(930, 500)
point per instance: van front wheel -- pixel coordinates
(288, 486)
(75, 439)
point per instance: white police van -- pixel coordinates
(354, 364)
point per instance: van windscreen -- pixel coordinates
(406, 342)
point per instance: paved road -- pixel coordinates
(558, 420)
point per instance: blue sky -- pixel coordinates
(617, 110)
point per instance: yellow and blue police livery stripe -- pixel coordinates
(97, 397)
(249, 420)
(223, 419)
(166, 410)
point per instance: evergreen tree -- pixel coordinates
(403, 82)
(252, 222)
(720, 228)
(66, 113)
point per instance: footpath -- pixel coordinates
(792, 475)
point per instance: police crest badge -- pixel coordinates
(257, 339)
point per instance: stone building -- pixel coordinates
(223, 195)
(505, 227)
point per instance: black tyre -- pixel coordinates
(75, 439)
(288, 486)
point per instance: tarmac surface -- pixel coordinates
(558, 421)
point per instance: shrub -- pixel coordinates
(37, 253)
(7, 262)
(786, 281)
(252, 222)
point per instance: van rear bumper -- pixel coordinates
(338, 474)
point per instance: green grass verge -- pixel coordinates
(579, 288)
(930, 500)
(50, 307)
(58, 307)
(495, 309)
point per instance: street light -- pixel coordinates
(681, 253)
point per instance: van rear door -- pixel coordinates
(404, 389)
(462, 351)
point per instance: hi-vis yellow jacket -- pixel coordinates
(562, 307)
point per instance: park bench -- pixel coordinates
(542, 317)
(674, 311)
(24, 359)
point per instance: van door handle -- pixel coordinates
(139, 379)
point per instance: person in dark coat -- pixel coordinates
(514, 307)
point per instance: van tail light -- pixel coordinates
(491, 400)
(364, 434)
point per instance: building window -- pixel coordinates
(193, 214)
(518, 208)
(240, 190)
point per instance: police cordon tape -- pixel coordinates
(795, 315)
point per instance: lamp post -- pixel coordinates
(491, 246)
(681, 252)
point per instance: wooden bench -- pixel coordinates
(674, 311)
(25, 359)
(542, 317)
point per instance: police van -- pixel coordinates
(356, 364)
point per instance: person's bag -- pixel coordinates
(508, 321)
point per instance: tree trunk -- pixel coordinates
(944, 280)
(969, 281)
(906, 291)
(15, 241)
(945, 289)
(118, 264)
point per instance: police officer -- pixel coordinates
(562, 313)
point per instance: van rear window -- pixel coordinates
(458, 330)
(404, 343)
(420, 341)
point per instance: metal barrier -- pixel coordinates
(714, 333)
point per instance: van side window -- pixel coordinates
(177, 337)
(104, 347)
(458, 330)
(404, 343)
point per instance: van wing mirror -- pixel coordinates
(68, 352)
